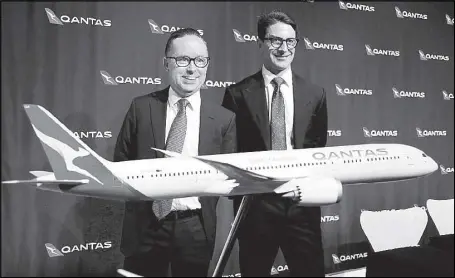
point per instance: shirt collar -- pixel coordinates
(268, 76)
(194, 100)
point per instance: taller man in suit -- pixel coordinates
(278, 110)
(179, 231)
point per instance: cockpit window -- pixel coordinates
(424, 155)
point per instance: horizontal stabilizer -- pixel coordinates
(127, 273)
(37, 182)
(41, 173)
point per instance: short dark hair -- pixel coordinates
(179, 34)
(271, 18)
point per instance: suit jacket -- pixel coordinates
(247, 99)
(143, 128)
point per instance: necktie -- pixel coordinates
(278, 124)
(175, 140)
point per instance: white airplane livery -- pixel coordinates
(311, 177)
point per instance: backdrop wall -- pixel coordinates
(387, 69)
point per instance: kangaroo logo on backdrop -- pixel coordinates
(93, 134)
(349, 6)
(244, 38)
(406, 14)
(216, 84)
(108, 80)
(444, 170)
(430, 133)
(156, 29)
(447, 96)
(53, 19)
(54, 252)
(449, 20)
(344, 258)
(317, 45)
(426, 57)
(347, 91)
(334, 133)
(379, 133)
(384, 52)
(405, 94)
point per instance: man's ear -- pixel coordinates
(166, 64)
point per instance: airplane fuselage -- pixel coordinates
(186, 176)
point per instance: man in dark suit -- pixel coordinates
(179, 231)
(278, 110)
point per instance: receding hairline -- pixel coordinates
(184, 36)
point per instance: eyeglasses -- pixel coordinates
(278, 42)
(184, 61)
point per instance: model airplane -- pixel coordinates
(312, 177)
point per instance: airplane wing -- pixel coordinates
(247, 182)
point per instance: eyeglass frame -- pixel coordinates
(282, 41)
(190, 59)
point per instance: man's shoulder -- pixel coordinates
(306, 86)
(246, 82)
(145, 99)
(220, 111)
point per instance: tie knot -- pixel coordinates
(277, 81)
(182, 103)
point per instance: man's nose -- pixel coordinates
(283, 47)
(191, 67)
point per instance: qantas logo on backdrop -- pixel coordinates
(384, 52)
(406, 14)
(93, 134)
(349, 6)
(109, 80)
(216, 84)
(379, 133)
(405, 94)
(438, 57)
(444, 170)
(330, 218)
(325, 46)
(447, 96)
(53, 19)
(239, 37)
(334, 133)
(52, 251)
(345, 258)
(449, 19)
(157, 29)
(430, 133)
(348, 91)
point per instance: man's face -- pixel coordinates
(186, 80)
(277, 59)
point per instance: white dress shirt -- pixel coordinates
(287, 92)
(190, 146)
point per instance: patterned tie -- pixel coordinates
(278, 124)
(175, 140)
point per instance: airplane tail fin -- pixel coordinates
(70, 158)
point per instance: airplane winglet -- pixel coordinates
(167, 153)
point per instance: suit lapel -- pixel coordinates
(302, 111)
(255, 98)
(158, 104)
(206, 128)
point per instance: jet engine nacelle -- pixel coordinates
(313, 191)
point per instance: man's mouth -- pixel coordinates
(190, 77)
